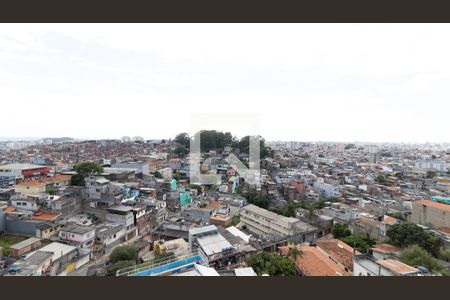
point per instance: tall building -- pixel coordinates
(432, 164)
(370, 149)
(340, 147)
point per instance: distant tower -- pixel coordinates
(370, 149)
(340, 147)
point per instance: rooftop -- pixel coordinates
(20, 167)
(268, 214)
(45, 216)
(213, 244)
(385, 249)
(58, 249)
(397, 267)
(433, 204)
(313, 262)
(338, 251)
(25, 243)
(77, 229)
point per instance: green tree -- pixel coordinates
(183, 139)
(381, 179)
(340, 231)
(235, 220)
(176, 176)
(359, 242)
(294, 253)
(196, 187)
(84, 170)
(399, 175)
(431, 174)
(51, 191)
(272, 264)
(444, 254)
(122, 264)
(244, 146)
(121, 253)
(406, 234)
(417, 256)
(181, 151)
(255, 198)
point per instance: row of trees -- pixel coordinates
(213, 139)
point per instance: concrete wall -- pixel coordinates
(2, 221)
(21, 227)
(426, 215)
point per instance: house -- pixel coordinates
(28, 245)
(141, 219)
(65, 258)
(23, 171)
(369, 266)
(102, 192)
(80, 236)
(385, 251)
(47, 230)
(221, 217)
(219, 250)
(338, 251)
(35, 264)
(27, 203)
(109, 235)
(312, 261)
(122, 215)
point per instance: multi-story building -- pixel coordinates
(269, 224)
(340, 147)
(432, 164)
(430, 213)
(23, 171)
(81, 236)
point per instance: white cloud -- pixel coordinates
(344, 82)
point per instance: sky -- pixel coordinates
(304, 82)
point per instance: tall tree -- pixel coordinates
(84, 170)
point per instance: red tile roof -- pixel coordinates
(338, 251)
(9, 210)
(43, 216)
(433, 204)
(312, 262)
(385, 249)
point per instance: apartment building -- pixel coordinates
(269, 224)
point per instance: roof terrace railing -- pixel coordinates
(158, 265)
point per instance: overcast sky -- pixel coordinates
(307, 82)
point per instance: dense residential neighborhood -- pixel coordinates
(127, 208)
